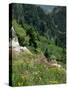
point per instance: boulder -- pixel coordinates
(56, 65)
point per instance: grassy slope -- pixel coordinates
(29, 70)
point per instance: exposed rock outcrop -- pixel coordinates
(14, 44)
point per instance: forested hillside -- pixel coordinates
(44, 34)
(52, 24)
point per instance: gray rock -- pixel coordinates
(14, 44)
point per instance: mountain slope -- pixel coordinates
(43, 34)
(52, 24)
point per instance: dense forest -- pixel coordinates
(44, 34)
(52, 24)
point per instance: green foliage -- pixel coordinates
(28, 36)
(52, 57)
(41, 33)
(27, 71)
(53, 24)
(21, 33)
(57, 52)
(33, 37)
(46, 53)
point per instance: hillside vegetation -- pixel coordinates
(45, 36)
(32, 70)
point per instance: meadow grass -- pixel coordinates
(27, 71)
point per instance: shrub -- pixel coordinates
(47, 54)
(52, 57)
